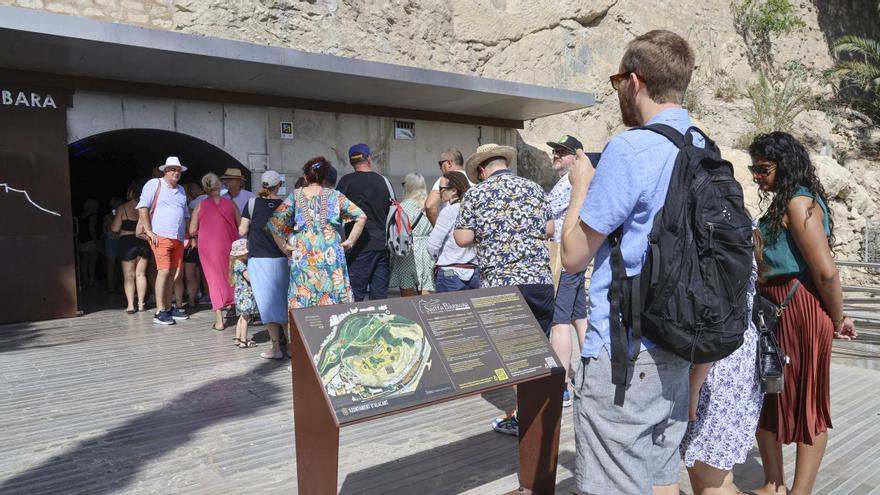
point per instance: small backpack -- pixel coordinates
(399, 230)
(690, 297)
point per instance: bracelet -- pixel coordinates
(839, 321)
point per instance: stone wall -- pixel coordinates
(562, 43)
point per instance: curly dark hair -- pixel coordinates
(316, 170)
(793, 169)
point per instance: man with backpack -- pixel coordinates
(649, 192)
(368, 267)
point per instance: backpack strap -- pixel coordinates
(669, 133)
(250, 206)
(621, 312)
(421, 214)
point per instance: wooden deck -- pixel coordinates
(110, 403)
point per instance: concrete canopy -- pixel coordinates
(38, 41)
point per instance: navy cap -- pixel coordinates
(358, 152)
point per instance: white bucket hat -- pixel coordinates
(172, 161)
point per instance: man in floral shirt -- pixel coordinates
(507, 219)
(571, 296)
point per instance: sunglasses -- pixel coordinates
(616, 79)
(444, 188)
(561, 153)
(761, 169)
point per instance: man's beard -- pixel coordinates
(627, 109)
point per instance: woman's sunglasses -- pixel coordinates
(760, 169)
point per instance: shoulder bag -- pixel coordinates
(140, 230)
(771, 358)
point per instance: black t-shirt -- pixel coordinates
(369, 191)
(260, 242)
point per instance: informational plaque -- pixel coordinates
(379, 357)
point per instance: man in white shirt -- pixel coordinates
(163, 212)
(571, 296)
(450, 161)
(234, 182)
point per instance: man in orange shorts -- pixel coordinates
(164, 213)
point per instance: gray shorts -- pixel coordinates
(627, 449)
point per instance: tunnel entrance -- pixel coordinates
(101, 168)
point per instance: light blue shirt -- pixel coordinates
(629, 188)
(169, 217)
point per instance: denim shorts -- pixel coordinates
(571, 299)
(631, 447)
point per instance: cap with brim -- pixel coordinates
(484, 153)
(172, 161)
(567, 143)
(232, 173)
(358, 152)
(270, 178)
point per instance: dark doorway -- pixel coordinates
(103, 165)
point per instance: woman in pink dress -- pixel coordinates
(214, 226)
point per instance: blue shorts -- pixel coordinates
(571, 299)
(539, 298)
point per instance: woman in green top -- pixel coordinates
(798, 233)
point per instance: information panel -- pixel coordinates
(376, 357)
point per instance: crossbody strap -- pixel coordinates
(155, 199)
(789, 296)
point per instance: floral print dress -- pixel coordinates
(318, 272)
(245, 303)
(729, 405)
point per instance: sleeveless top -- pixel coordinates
(129, 225)
(781, 254)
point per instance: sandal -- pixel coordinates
(246, 344)
(276, 355)
(130, 311)
(142, 307)
(218, 329)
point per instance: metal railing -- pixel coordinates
(869, 289)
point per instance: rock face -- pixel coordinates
(562, 43)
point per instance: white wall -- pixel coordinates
(252, 134)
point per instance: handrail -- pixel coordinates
(857, 264)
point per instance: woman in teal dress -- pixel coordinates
(305, 226)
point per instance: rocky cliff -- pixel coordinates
(569, 44)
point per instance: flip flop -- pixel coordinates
(130, 311)
(218, 329)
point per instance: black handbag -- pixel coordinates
(771, 358)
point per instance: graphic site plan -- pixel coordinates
(373, 355)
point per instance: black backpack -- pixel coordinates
(690, 297)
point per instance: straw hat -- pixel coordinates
(485, 152)
(232, 173)
(239, 247)
(172, 161)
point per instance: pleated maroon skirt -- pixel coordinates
(805, 333)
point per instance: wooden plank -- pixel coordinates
(112, 403)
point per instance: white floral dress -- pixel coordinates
(729, 405)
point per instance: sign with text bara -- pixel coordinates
(377, 357)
